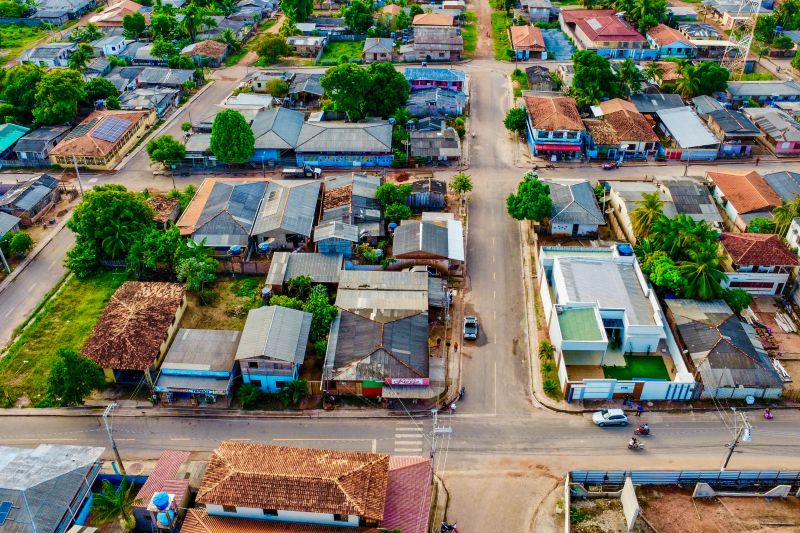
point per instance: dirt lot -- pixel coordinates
(765, 308)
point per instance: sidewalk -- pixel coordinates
(32, 255)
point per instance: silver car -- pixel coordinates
(610, 417)
(471, 328)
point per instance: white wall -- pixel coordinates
(774, 279)
(544, 293)
(740, 393)
(283, 516)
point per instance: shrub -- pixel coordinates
(550, 385)
(249, 395)
(546, 349)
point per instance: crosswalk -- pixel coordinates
(409, 439)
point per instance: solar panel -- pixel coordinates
(111, 129)
(81, 129)
(5, 508)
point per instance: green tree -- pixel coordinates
(84, 34)
(783, 214)
(320, 349)
(19, 90)
(277, 88)
(133, 25)
(186, 127)
(232, 140)
(649, 209)
(249, 395)
(195, 18)
(21, 243)
(644, 14)
(765, 28)
(115, 504)
(322, 312)
(654, 71)
(702, 273)
(289, 29)
(737, 299)
(594, 79)
(117, 240)
(271, 48)
(378, 90)
(57, 96)
(783, 42)
(402, 20)
(796, 60)
(286, 301)
(112, 102)
(154, 249)
(293, 392)
(358, 16)
(461, 183)
(80, 58)
(388, 90)
(389, 194)
(72, 378)
(706, 78)
(664, 273)
(760, 225)
(630, 77)
(414, 10)
(197, 273)
(297, 10)
(788, 14)
(229, 38)
(163, 48)
(300, 287)
(82, 260)
(163, 26)
(166, 150)
(532, 201)
(11, 9)
(397, 212)
(99, 89)
(516, 120)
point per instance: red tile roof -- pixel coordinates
(757, 249)
(527, 38)
(554, 113)
(621, 122)
(432, 19)
(164, 475)
(408, 495)
(747, 191)
(663, 35)
(391, 9)
(87, 144)
(198, 521)
(602, 25)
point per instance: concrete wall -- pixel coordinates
(284, 516)
(778, 281)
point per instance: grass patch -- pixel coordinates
(15, 39)
(231, 299)
(268, 24)
(64, 322)
(470, 34)
(520, 81)
(638, 366)
(342, 51)
(500, 24)
(756, 76)
(232, 60)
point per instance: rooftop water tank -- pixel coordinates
(625, 250)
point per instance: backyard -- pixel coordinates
(500, 24)
(337, 51)
(65, 321)
(470, 34)
(638, 367)
(230, 300)
(15, 39)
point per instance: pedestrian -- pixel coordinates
(757, 160)
(639, 409)
(626, 401)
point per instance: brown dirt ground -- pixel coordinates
(789, 343)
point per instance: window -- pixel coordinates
(340, 518)
(750, 285)
(229, 508)
(558, 135)
(280, 384)
(252, 364)
(270, 512)
(543, 134)
(572, 135)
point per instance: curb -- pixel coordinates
(36, 251)
(163, 412)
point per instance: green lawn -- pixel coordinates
(233, 59)
(336, 50)
(638, 366)
(757, 76)
(500, 24)
(15, 39)
(65, 321)
(521, 80)
(470, 34)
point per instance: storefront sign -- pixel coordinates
(408, 382)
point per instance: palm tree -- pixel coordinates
(783, 214)
(115, 504)
(653, 71)
(80, 57)
(115, 244)
(228, 37)
(293, 392)
(702, 273)
(91, 32)
(688, 84)
(649, 209)
(196, 18)
(630, 77)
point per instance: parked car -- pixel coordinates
(610, 417)
(471, 328)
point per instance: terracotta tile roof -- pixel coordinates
(188, 220)
(112, 15)
(163, 207)
(392, 9)
(207, 48)
(602, 25)
(663, 35)
(621, 122)
(166, 470)
(747, 191)
(432, 19)
(133, 325)
(527, 38)
(81, 142)
(554, 113)
(198, 521)
(408, 496)
(757, 249)
(296, 479)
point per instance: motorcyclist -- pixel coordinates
(767, 413)
(644, 428)
(634, 443)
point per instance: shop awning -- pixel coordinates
(558, 147)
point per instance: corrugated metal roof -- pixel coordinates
(7, 223)
(29, 193)
(693, 199)
(769, 88)
(322, 268)
(288, 207)
(229, 213)
(202, 350)
(574, 203)
(734, 123)
(786, 184)
(650, 103)
(345, 137)
(277, 128)
(335, 229)
(435, 74)
(275, 332)
(777, 124)
(443, 240)
(686, 128)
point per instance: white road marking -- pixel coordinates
(179, 438)
(39, 439)
(494, 295)
(494, 276)
(406, 435)
(409, 428)
(10, 311)
(408, 443)
(121, 440)
(495, 386)
(408, 450)
(493, 258)
(33, 285)
(52, 266)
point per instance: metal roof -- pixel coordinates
(29, 193)
(382, 296)
(164, 76)
(287, 207)
(776, 123)
(307, 83)
(734, 123)
(435, 74)
(574, 203)
(335, 229)
(321, 268)
(686, 128)
(693, 199)
(202, 350)
(415, 238)
(705, 104)
(651, 103)
(769, 88)
(277, 128)
(275, 332)
(7, 223)
(786, 184)
(10, 134)
(345, 137)
(37, 140)
(229, 213)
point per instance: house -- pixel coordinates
(555, 128)
(670, 42)
(758, 263)
(273, 346)
(222, 213)
(682, 13)
(329, 25)
(52, 55)
(58, 12)
(321, 268)
(731, 14)
(10, 134)
(436, 43)
(110, 45)
(426, 77)
(383, 296)
(124, 78)
(699, 30)
(688, 137)
(431, 146)
(97, 67)
(140, 53)
(378, 49)
(739, 92)
(620, 132)
(539, 78)
(650, 104)
(306, 90)
(307, 46)
(537, 10)
(36, 145)
(743, 195)
(32, 199)
(427, 194)
(527, 42)
(624, 197)
(260, 80)
(344, 144)
(432, 19)
(786, 184)
(566, 72)
(249, 101)
(693, 199)
(781, 130)
(429, 240)
(600, 329)
(198, 368)
(430, 124)
(605, 32)
(726, 352)
(169, 475)
(8, 223)
(737, 132)
(276, 131)
(113, 14)
(715, 49)
(45, 489)
(165, 210)
(436, 102)
(206, 53)
(704, 105)
(392, 10)
(132, 335)
(286, 215)
(670, 72)
(156, 99)
(792, 239)
(575, 211)
(102, 139)
(335, 237)
(163, 77)
(351, 199)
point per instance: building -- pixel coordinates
(385, 296)
(426, 77)
(45, 489)
(276, 131)
(378, 49)
(432, 19)
(206, 53)
(436, 102)
(670, 42)
(432, 146)
(52, 55)
(739, 92)
(689, 138)
(575, 211)
(158, 100)
(198, 368)
(31, 200)
(169, 475)
(10, 134)
(699, 30)
(286, 215)
(249, 102)
(743, 196)
(305, 90)
(651, 104)
(527, 42)
(620, 132)
(113, 15)
(273, 346)
(97, 67)
(132, 335)
(786, 184)
(624, 198)
(731, 14)
(345, 144)
(163, 77)
(704, 105)
(435, 43)
(102, 139)
(321, 268)
(693, 199)
(606, 33)
(110, 45)
(726, 353)
(58, 12)
(307, 45)
(165, 210)
(781, 130)
(758, 263)
(141, 54)
(335, 237)
(539, 78)
(555, 129)
(351, 199)
(432, 240)
(8, 223)
(737, 132)
(537, 10)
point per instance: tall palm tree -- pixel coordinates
(688, 84)
(228, 37)
(91, 32)
(115, 504)
(195, 19)
(782, 216)
(702, 273)
(653, 71)
(115, 244)
(630, 77)
(649, 209)
(80, 57)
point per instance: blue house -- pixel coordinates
(555, 128)
(276, 131)
(334, 237)
(273, 346)
(425, 77)
(344, 144)
(670, 42)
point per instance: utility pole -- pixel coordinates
(741, 432)
(5, 263)
(110, 407)
(78, 174)
(436, 430)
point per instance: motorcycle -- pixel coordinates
(642, 431)
(461, 393)
(768, 414)
(635, 445)
(449, 527)
(610, 165)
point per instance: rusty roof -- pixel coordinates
(208, 48)
(663, 35)
(133, 325)
(620, 122)
(164, 473)
(432, 19)
(199, 521)
(554, 113)
(163, 207)
(296, 479)
(746, 190)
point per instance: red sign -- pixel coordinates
(407, 382)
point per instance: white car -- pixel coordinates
(610, 417)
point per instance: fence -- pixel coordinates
(347, 37)
(25, 163)
(729, 478)
(20, 21)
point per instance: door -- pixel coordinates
(575, 230)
